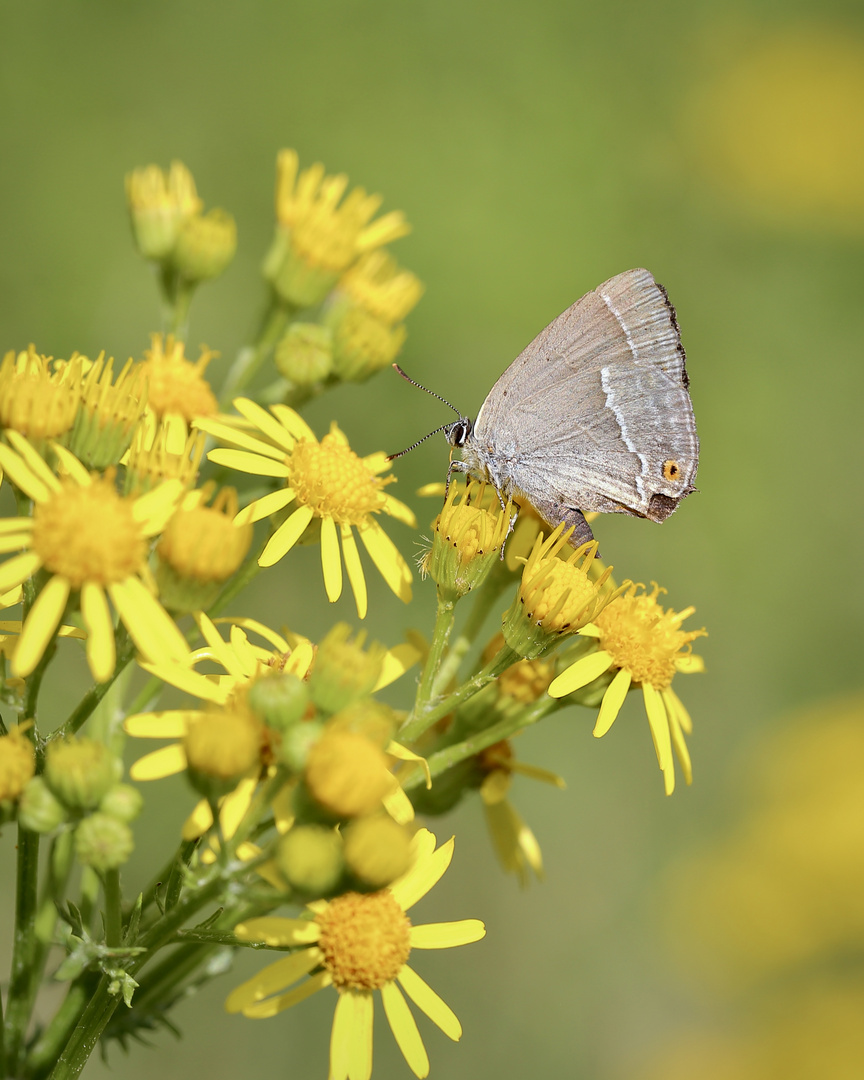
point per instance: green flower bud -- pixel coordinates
(279, 700)
(102, 842)
(344, 671)
(310, 859)
(377, 850)
(296, 743)
(17, 764)
(296, 281)
(123, 802)
(40, 810)
(80, 772)
(304, 355)
(362, 342)
(205, 245)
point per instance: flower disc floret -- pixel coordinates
(35, 400)
(365, 939)
(331, 479)
(176, 385)
(89, 534)
(643, 638)
(17, 764)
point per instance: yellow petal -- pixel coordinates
(168, 724)
(397, 804)
(400, 511)
(613, 699)
(331, 559)
(276, 930)
(425, 998)
(286, 536)
(495, 786)
(423, 875)
(690, 665)
(227, 433)
(277, 976)
(198, 822)
(397, 661)
(265, 506)
(278, 1004)
(659, 725)
(17, 569)
(354, 567)
(402, 753)
(678, 743)
(265, 422)
(293, 422)
(100, 629)
(387, 559)
(164, 762)
(70, 465)
(153, 510)
(40, 625)
(192, 682)
(16, 525)
(447, 935)
(32, 481)
(584, 671)
(534, 772)
(221, 651)
(404, 1028)
(15, 541)
(360, 1039)
(244, 461)
(150, 626)
(234, 805)
(255, 627)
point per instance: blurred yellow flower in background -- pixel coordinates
(782, 128)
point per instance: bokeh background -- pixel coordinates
(538, 150)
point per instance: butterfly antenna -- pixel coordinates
(432, 392)
(402, 453)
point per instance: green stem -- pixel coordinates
(445, 759)
(414, 726)
(21, 991)
(180, 857)
(51, 1041)
(94, 695)
(440, 636)
(484, 601)
(113, 908)
(251, 358)
(239, 581)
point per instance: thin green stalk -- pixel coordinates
(79, 716)
(445, 759)
(440, 636)
(414, 726)
(251, 358)
(50, 1042)
(484, 601)
(19, 1001)
(181, 856)
(113, 908)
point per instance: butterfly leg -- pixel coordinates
(555, 512)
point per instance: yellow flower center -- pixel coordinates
(644, 639)
(526, 681)
(88, 533)
(34, 401)
(334, 481)
(174, 383)
(365, 940)
(559, 600)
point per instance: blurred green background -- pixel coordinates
(537, 151)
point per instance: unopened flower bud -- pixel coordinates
(297, 742)
(40, 810)
(17, 764)
(310, 859)
(377, 850)
(80, 772)
(347, 774)
(221, 745)
(466, 542)
(205, 245)
(158, 204)
(304, 355)
(279, 700)
(344, 671)
(103, 842)
(122, 802)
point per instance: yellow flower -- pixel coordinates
(359, 944)
(110, 410)
(377, 284)
(90, 540)
(330, 486)
(39, 397)
(159, 203)
(162, 450)
(174, 384)
(645, 646)
(17, 764)
(515, 844)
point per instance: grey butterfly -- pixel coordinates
(594, 415)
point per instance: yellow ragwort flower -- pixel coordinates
(162, 450)
(159, 203)
(109, 413)
(645, 646)
(39, 397)
(176, 385)
(360, 943)
(515, 844)
(330, 486)
(377, 284)
(325, 233)
(94, 542)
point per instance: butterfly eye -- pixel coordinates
(457, 434)
(671, 470)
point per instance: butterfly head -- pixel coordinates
(459, 432)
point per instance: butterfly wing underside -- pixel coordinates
(595, 414)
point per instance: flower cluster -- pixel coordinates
(145, 499)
